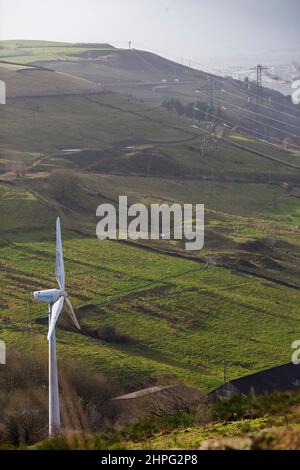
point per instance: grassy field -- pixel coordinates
(23, 81)
(180, 317)
(152, 78)
(182, 320)
(121, 135)
(27, 52)
(177, 316)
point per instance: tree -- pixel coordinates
(18, 167)
(64, 185)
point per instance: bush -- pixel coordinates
(64, 185)
(109, 333)
(94, 392)
(254, 406)
(25, 417)
(85, 399)
(87, 407)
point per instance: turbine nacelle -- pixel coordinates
(49, 296)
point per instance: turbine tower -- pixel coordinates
(55, 299)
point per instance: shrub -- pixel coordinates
(64, 185)
(85, 399)
(25, 417)
(254, 406)
(109, 333)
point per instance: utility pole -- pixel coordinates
(217, 147)
(259, 90)
(211, 92)
(213, 117)
(225, 371)
(209, 136)
(259, 86)
(129, 44)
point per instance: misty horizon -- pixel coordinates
(198, 31)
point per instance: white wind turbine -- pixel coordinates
(55, 299)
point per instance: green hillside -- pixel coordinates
(154, 79)
(203, 313)
(27, 81)
(66, 146)
(27, 52)
(117, 134)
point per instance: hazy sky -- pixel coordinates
(195, 29)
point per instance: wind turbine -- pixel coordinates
(55, 299)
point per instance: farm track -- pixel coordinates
(233, 269)
(261, 154)
(192, 135)
(202, 260)
(207, 179)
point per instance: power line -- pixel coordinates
(217, 78)
(211, 92)
(249, 92)
(259, 86)
(264, 115)
(259, 80)
(251, 131)
(225, 80)
(263, 124)
(250, 111)
(259, 122)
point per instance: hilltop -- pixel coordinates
(25, 81)
(155, 79)
(28, 51)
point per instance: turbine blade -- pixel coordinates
(59, 265)
(56, 309)
(72, 314)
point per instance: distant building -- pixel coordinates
(277, 379)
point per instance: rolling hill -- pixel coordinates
(25, 81)
(68, 144)
(154, 79)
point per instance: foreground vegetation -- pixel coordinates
(174, 419)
